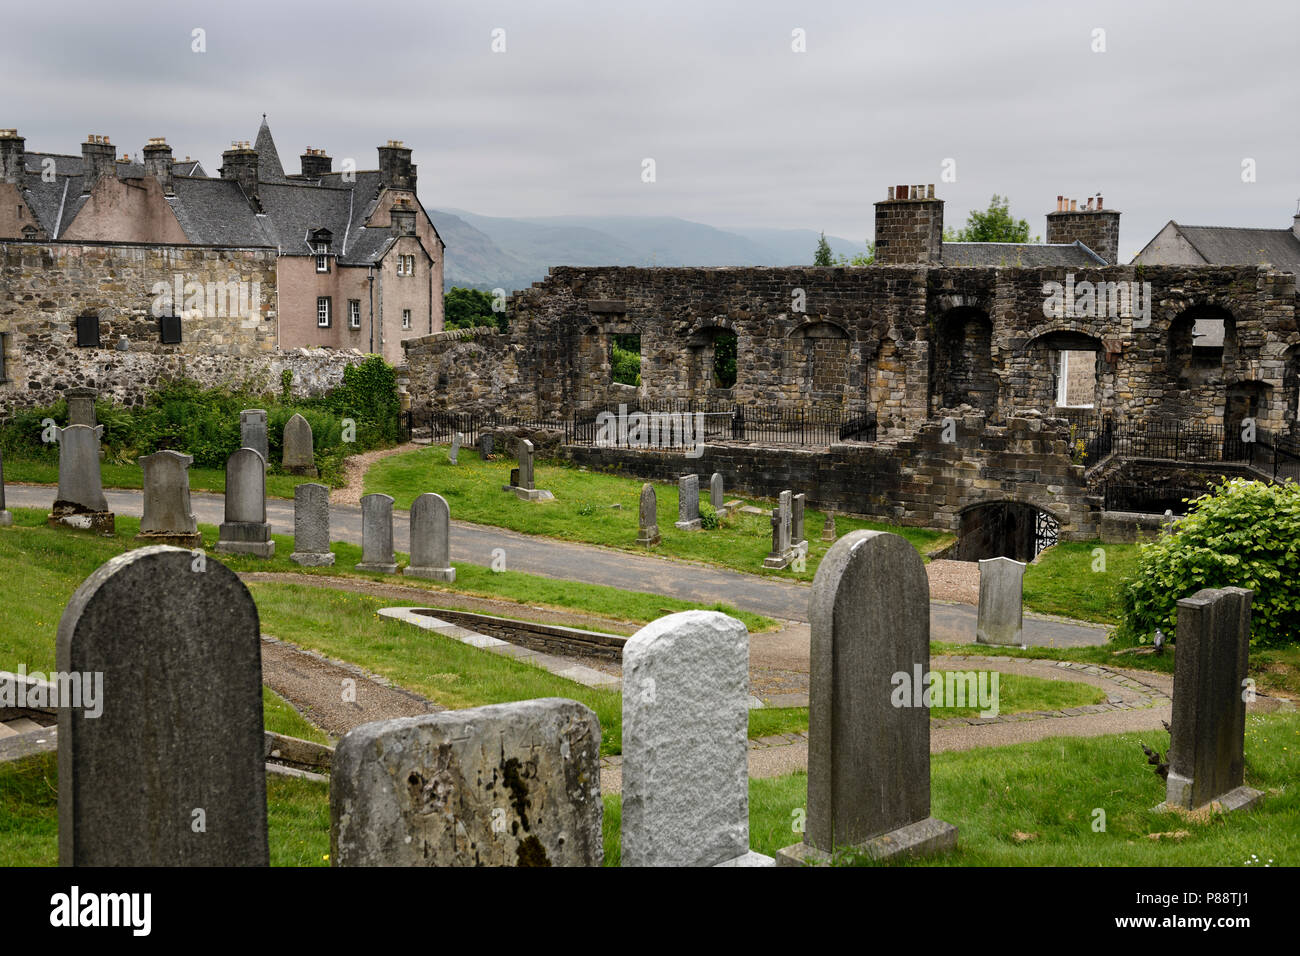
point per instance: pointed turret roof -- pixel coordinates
(269, 169)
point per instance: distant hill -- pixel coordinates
(485, 252)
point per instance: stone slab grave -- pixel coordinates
(798, 539)
(1001, 618)
(311, 526)
(504, 785)
(521, 478)
(298, 455)
(688, 503)
(171, 773)
(167, 518)
(431, 539)
(868, 760)
(6, 517)
(81, 502)
(648, 517)
(1207, 736)
(686, 794)
(783, 551)
(253, 432)
(457, 440)
(377, 534)
(245, 530)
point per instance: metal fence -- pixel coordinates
(1170, 440)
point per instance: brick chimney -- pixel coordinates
(13, 161)
(1094, 225)
(315, 163)
(240, 164)
(395, 168)
(158, 163)
(909, 227)
(97, 160)
(402, 215)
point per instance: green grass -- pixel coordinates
(114, 475)
(298, 816)
(279, 716)
(1064, 581)
(582, 510)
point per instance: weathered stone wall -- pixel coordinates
(921, 481)
(887, 341)
(44, 287)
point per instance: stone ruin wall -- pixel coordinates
(44, 287)
(902, 343)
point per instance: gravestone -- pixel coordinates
(828, 528)
(503, 785)
(167, 517)
(311, 526)
(869, 747)
(454, 455)
(486, 447)
(81, 406)
(783, 551)
(377, 534)
(6, 518)
(299, 453)
(648, 516)
(1207, 734)
(81, 502)
(686, 795)
(245, 530)
(688, 503)
(171, 772)
(1001, 616)
(521, 478)
(252, 432)
(716, 496)
(798, 539)
(431, 539)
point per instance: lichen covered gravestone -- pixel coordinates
(1001, 615)
(798, 539)
(167, 517)
(1207, 736)
(171, 772)
(869, 747)
(377, 534)
(648, 516)
(245, 530)
(253, 432)
(686, 794)
(431, 539)
(299, 454)
(783, 551)
(504, 785)
(311, 526)
(688, 503)
(81, 406)
(81, 502)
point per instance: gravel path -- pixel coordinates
(354, 470)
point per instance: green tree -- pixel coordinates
(465, 308)
(861, 259)
(823, 255)
(994, 224)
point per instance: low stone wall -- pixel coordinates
(921, 481)
(1129, 527)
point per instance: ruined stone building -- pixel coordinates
(355, 262)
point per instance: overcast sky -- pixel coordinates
(743, 130)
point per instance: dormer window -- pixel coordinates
(321, 240)
(29, 233)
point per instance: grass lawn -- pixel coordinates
(130, 476)
(582, 510)
(1064, 581)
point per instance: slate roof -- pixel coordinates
(1232, 246)
(269, 169)
(1027, 254)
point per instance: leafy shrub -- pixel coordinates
(1242, 534)
(708, 517)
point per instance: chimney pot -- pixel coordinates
(890, 193)
(929, 191)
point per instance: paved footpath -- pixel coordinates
(548, 557)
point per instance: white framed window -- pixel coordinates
(323, 311)
(406, 265)
(322, 257)
(406, 318)
(1076, 378)
(354, 313)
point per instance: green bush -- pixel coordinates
(1242, 534)
(708, 517)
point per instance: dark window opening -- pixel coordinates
(4, 341)
(169, 329)
(88, 331)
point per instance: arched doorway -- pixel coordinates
(1009, 529)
